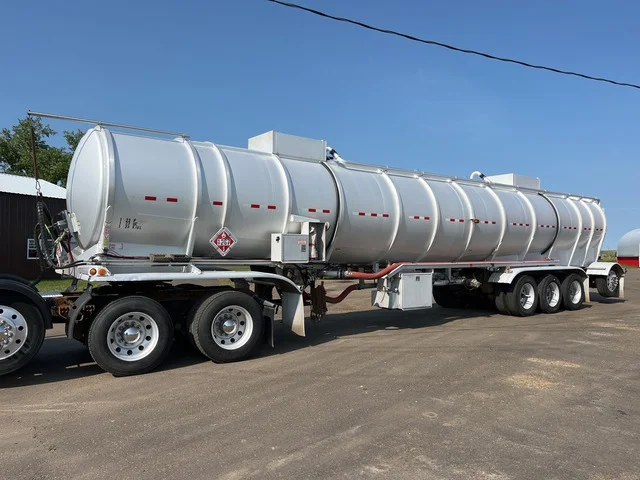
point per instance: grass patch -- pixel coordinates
(58, 285)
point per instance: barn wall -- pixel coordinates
(17, 220)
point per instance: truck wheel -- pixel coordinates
(445, 297)
(21, 332)
(572, 292)
(609, 286)
(550, 295)
(227, 326)
(131, 335)
(522, 297)
(501, 300)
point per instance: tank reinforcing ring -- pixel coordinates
(612, 280)
(232, 327)
(575, 291)
(13, 331)
(527, 296)
(132, 336)
(552, 294)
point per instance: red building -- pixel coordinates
(629, 249)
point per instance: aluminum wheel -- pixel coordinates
(527, 296)
(132, 336)
(13, 331)
(575, 291)
(612, 280)
(232, 327)
(552, 294)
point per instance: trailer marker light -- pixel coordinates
(93, 271)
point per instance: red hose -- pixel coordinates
(337, 299)
(373, 276)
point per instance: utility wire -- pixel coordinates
(451, 47)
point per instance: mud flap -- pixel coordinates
(293, 312)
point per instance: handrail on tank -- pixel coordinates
(106, 124)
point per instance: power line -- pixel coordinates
(451, 47)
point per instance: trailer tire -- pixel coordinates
(20, 318)
(522, 297)
(445, 297)
(130, 336)
(609, 286)
(550, 294)
(572, 292)
(227, 326)
(501, 300)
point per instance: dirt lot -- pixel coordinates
(372, 394)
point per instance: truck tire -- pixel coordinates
(609, 286)
(227, 326)
(21, 332)
(445, 297)
(550, 294)
(501, 300)
(572, 292)
(130, 336)
(522, 297)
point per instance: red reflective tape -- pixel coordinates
(385, 215)
(452, 219)
(515, 224)
(493, 223)
(326, 210)
(374, 214)
(172, 199)
(553, 226)
(362, 214)
(149, 198)
(486, 221)
(427, 218)
(461, 220)
(255, 205)
(526, 224)
(271, 207)
(416, 217)
(312, 210)
(217, 203)
(521, 225)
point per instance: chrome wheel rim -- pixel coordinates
(552, 294)
(13, 331)
(232, 327)
(612, 281)
(132, 336)
(527, 296)
(575, 292)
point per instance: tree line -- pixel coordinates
(53, 162)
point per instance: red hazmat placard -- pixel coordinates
(223, 241)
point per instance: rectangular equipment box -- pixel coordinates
(407, 291)
(289, 248)
(516, 180)
(289, 146)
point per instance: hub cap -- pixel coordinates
(612, 281)
(232, 327)
(552, 294)
(575, 291)
(132, 336)
(13, 331)
(527, 296)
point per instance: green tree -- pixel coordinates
(53, 162)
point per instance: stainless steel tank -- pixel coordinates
(135, 195)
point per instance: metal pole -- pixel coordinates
(106, 124)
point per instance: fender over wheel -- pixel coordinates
(227, 326)
(21, 332)
(130, 336)
(550, 294)
(572, 292)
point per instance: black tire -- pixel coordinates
(501, 300)
(445, 297)
(31, 343)
(570, 299)
(515, 298)
(246, 326)
(609, 286)
(102, 332)
(550, 294)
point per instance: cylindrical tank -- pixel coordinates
(135, 196)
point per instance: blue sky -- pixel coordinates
(227, 70)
